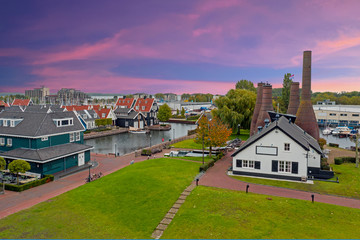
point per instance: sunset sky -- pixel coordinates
(179, 46)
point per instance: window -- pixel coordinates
(287, 147)
(332, 114)
(84, 116)
(44, 138)
(103, 115)
(9, 142)
(78, 136)
(343, 114)
(71, 137)
(6, 123)
(143, 107)
(64, 122)
(12, 123)
(248, 164)
(126, 124)
(145, 101)
(355, 115)
(137, 107)
(285, 166)
(2, 141)
(95, 115)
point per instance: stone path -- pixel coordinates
(171, 213)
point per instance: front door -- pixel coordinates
(81, 159)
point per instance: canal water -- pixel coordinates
(343, 142)
(128, 142)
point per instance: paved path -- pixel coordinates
(12, 202)
(217, 177)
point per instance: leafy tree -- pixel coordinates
(202, 132)
(285, 92)
(246, 85)
(164, 113)
(182, 112)
(356, 140)
(2, 163)
(129, 96)
(219, 133)
(322, 142)
(160, 96)
(235, 108)
(185, 96)
(177, 112)
(19, 166)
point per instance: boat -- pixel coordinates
(327, 131)
(344, 130)
(137, 130)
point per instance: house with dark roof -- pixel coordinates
(50, 141)
(281, 150)
(87, 118)
(128, 117)
(149, 108)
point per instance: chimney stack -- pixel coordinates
(305, 116)
(294, 98)
(266, 105)
(256, 109)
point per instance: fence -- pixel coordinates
(163, 145)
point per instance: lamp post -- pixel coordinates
(239, 129)
(150, 139)
(115, 148)
(89, 173)
(173, 133)
(203, 148)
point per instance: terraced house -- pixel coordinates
(50, 141)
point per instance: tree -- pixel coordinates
(160, 96)
(2, 163)
(19, 166)
(356, 139)
(236, 108)
(185, 96)
(177, 112)
(182, 112)
(202, 132)
(285, 93)
(246, 85)
(164, 113)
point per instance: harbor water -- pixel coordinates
(344, 142)
(128, 142)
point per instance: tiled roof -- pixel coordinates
(21, 102)
(290, 129)
(37, 124)
(127, 102)
(48, 153)
(143, 105)
(104, 110)
(2, 103)
(77, 108)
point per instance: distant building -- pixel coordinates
(70, 96)
(38, 94)
(326, 102)
(337, 115)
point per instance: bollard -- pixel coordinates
(247, 188)
(197, 182)
(312, 198)
(337, 179)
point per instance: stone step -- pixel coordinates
(157, 234)
(177, 205)
(166, 221)
(170, 215)
(180, 201)
(173, 210)
(161, 227)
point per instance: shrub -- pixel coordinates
(341, 160)
(333, 145)
(322, 142)
(324, 164)
(206, 166)
(146, 152)
(20, 188)
(338, 161)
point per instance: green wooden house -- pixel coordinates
(50, 141)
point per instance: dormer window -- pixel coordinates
(137, 107)
(12, 123)
(103, 115)
(143, 108)
(6, 123)
(63, 122)
(145, 102)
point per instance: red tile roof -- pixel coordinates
(144, 105)
(21, 102)
(127, 102)
(100, 112)
(2, 103)
(77, 108)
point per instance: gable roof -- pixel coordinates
(37, 124)
(127, 102)
(21, 102)
(2, 103)
(144, 105)
(106, 111)
(290, 129)
(76, 107)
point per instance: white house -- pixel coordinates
(282, 150)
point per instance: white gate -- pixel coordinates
(141, 124)
(81, 159)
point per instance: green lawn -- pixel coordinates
(349, 186)
(129, 203)
(210, 213)
(244, 135)
(189, 143)
(198, 159)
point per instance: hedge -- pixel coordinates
(341, 160)
(20, 188)
(146, 152)
(333, 145)
(206, 166)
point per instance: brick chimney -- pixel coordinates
(294, 98)
(257, 108)
(266, 105)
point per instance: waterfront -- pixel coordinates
(343, 142)
(129, 142)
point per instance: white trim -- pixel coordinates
(49, 135)
(52, 159)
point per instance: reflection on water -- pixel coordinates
(343, 142)
(129, 142)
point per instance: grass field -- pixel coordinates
(210, 213)
(349, 186)
(198, 159)
(189, 143)
(129, 203)
(244, 135)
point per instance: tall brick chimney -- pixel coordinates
(257, 108)
(294, 98)
(266, 105)
(305, 116)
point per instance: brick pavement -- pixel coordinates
(217, 177)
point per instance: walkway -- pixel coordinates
(12, 202)
(217, 177)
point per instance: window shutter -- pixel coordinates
(294, 167)
(238, 163)
(274, 166)
(257, 164)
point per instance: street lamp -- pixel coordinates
(89, 173)
(173, 133)
(115, 149)
(239, 129)
(150, 139)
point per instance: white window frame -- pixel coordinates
(248, 164)
(284, 167)
(44, 138)
(77, 134)
(9, 142)
(143, 107)
(287, 147)
(12, 123)
(2, 141)
(5, 123)
(71, 137)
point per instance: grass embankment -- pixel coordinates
(210, 213)
(129, 203)
(349, 186)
